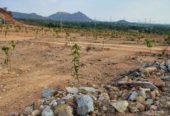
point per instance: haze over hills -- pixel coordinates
(64, 16)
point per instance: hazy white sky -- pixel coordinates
(131, 10)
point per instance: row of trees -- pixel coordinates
(145, 28)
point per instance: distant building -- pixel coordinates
(5, 16)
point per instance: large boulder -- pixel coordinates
(85, 105)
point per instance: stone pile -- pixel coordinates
(145, 91)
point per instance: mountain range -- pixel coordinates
(59, 16)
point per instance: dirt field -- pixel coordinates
(42, 62)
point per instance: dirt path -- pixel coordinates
(122, 47)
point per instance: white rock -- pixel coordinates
(120, 106)
(72, 90)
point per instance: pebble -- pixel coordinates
(133, 96)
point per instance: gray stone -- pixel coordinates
(149, 102)
(168, 64)
(47, 112)
(47, 93)
(88, 89)
(166, 78)
(85, 105)
(120, 106)
(133, 96)
(143, 84)
(72, 90)
(163, 67)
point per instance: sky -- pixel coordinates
(154, 11)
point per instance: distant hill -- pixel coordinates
(64, 16)
(122, 22)
(18, 15)
(75, 17)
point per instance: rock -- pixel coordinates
(53, 103)
(88, 89)
(133, 109)
(133, 96)
(72, 90)
(120, 106)
(142, 84)
(36, 113)
(149, 102)
(69, 96)
(166, 78)
(104, 97)
(63, 110)
(157, 81)
(168, 104)
(85, 105)
(28, 110)
(168, 64)
(149, 70)
(142, 92)
(140, 99)
(163, 67)
(47, 112)
(153, 95)
(153, 107)
(47, 93)
(140, 106)
(135, 74)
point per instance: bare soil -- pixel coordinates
(42, 62)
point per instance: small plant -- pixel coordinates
(76, 61)
(149, 43)
(68, 38)
(36, 33)
(6, 31)
(8, 50)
